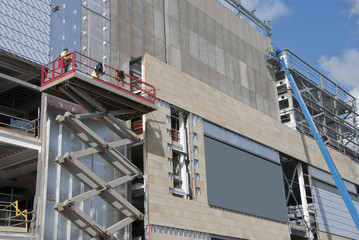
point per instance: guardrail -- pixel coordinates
(77, 62)
(24, 126)
(319, 78)
(13, 218)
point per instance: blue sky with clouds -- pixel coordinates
(324, 33)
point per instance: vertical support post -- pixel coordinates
(190, 154)
(182, 130)
(303, 198)
(146, 180)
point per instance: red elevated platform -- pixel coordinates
(114, 90)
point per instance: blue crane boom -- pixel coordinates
(337, 179)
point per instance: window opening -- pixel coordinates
(137, 125)
(291, 174)
(181, 175)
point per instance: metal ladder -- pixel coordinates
(107, 150)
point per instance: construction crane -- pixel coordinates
(277, 58)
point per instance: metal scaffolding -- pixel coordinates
(333, 110)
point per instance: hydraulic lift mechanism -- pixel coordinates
(278, 57)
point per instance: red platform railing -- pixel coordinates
(77, 62)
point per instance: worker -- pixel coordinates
(99, 70)
(67, 58)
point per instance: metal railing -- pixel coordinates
(21, 125)
(12, 216)
(318, 78)
(77, 62)
(236, 7)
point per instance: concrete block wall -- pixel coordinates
(200, 38)
(327, 236)
(213, 105)
(199, 156)
(213, 45)
(192, 95)
(174, 212)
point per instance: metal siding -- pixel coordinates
(96, 31)
(25, 29)
(327, 178)
(243, 182)
(332, 215)
(61, 185)
(65, 27)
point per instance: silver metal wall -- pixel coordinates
(58, 185)
(96, 31)
(25, 28)
(65, 26)
(332, 215)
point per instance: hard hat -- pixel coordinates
(65, 48)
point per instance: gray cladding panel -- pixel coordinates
(243, 182)
(332, 215)
(327, 178)
(185, 37)
(211, 45)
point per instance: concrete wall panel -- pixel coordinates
(203, 30)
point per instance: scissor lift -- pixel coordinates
(113, 96)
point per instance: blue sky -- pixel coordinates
(324, 33)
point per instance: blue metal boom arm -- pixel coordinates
(338, 181)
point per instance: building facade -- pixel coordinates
(217, 161)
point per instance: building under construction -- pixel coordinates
(168, 119)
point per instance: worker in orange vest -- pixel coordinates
(67, 58)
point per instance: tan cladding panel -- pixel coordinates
(180, 213)
(327, 236)
(171, 211)
(199, 98)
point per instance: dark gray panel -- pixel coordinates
(327, 178)
(243, 182)
(236, 140)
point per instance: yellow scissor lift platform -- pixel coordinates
(108, 95)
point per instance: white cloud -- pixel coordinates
(268, 10)
(343, 69)
(354, 10)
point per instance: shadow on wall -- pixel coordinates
(305, 146)
(155, 135)
(271, 71)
